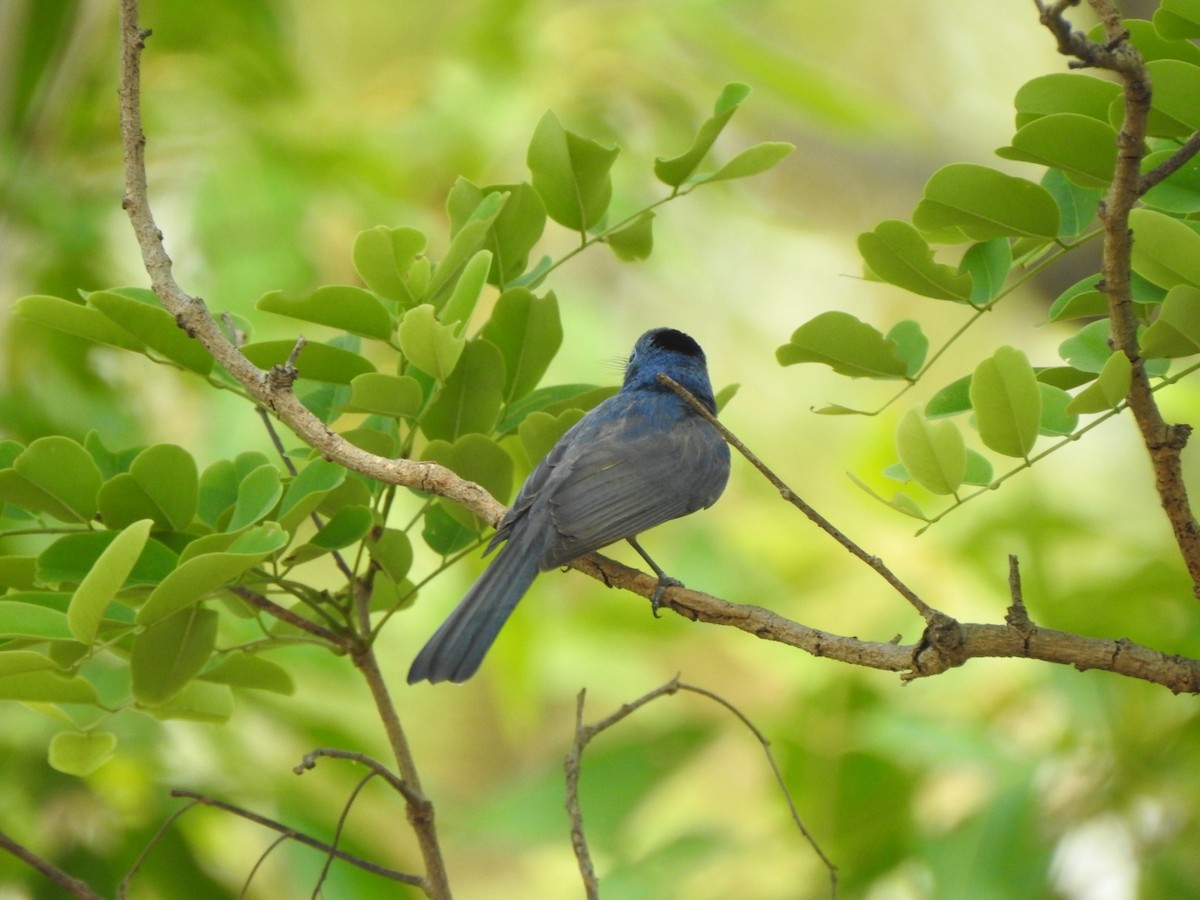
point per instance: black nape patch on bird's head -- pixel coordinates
(676, 342)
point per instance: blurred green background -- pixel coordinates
(278, 130)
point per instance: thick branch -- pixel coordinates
(1164, 442)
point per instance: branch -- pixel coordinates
(1171, 165)
(584, 734)
(1164, 442)
(72, 886)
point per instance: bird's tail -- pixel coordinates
(458, 646)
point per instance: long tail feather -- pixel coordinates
(457, 648)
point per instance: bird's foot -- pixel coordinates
(664, 582)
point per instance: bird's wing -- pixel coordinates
(628, 477)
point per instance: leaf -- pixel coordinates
(751, 161)
(471, 397)
(149, 323)
(476, 458)
(257, 495)
(316, 361)
(466, 244)
(979, 470)
(47, 687)
(911, 345)
(1058, 418)
(250, 672)
(986, 204)
(72, 556)
(1165, 251)
(432, 347)
(313, 483)
(105, 578)
(386, 395)
(540, 431)
(54, 475)
(951, 400)
(1076, 205)
(896, 253)
(932, 452)
(77, 319)
(1109, 390)
(217, 492)
(514, 232)
(167, 473)
(443, 532)
(570, 173)
(393, 551)
(845, 344)
(527, 331)
(1007, 402)
(1080, 300)
(634, 241)
(339, 306)
(23, 615)
(1082, 147)
(204, 573)
(384, 259)
(676, 170)
(1180, 192)
(1176, 110)
(81, 752)
(466, 291)
(1088, 349)
(1176, 331)
(348, 525)
(900, 502)
(1063, 92)
(988, 264)
(171, 652)
(1178, 19)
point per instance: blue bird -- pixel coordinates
(640, 458)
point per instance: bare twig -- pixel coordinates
(1171, 165)
(875, 563)
(302, 838)
(584, 734)
(72, 886)
(283, 614)
(310, 762)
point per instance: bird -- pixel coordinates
(636, 460)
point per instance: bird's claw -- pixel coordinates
(660, 589)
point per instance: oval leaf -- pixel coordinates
(933, 452)
(104, 579)
(1007, 402)
(845, 344)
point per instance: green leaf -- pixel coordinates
(514, 232)
(468, 240)
(471, 397)
(54, 475)
(319, 362)
(1109, 390)
(1076, 205)
(18, 572)
(249, 672)
(77, 319)
(197, 701)
(339, 306)
(896, 253)
(16, 662)
(911, 345)
(1180, 192)
(527, 331)
(571, 174)
(932, 452)
(1165, 251)
(310, 486)
(386, 395)
(384, 259)
(634, 241)
(171, 652)
(1080, 300)
(23, 615)
(676, 170)
(1064, 92)
(1058, 418)
(167, 473)
(986, 204)
(476, 458)
(979, 470)
(1082, 147)
(393, 551)
(349, 525)
(432, 347)
(202, 574)
(553, 400)
(217, 492)
(101, 584)
(1007, 402)
(751, 161)
(845, 344)
(443, 533)
(155, 327)
(1176, 331)
(47, 687)
(988, 264)
(540, 431)
(1088, 349)
(466, 291)
(1178, 19)
(902, 503)
(258, 493)
(951, 400)
(81, 752)
(72, 556)
(1176, 110)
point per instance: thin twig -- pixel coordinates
(310, 762)
(584, 734)
(1170, 165)
(71, 885)
(283, 614)
(302, 838)
(927, 612)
